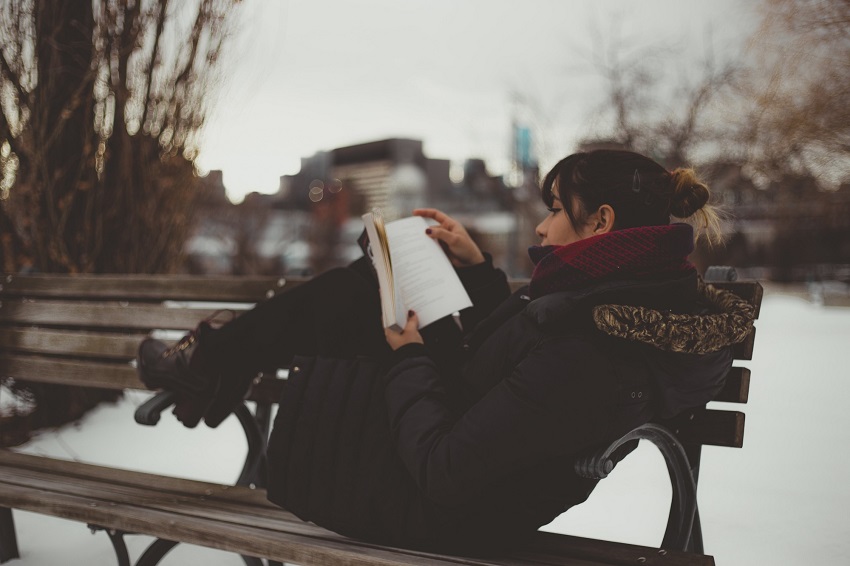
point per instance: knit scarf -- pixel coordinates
(647, 252)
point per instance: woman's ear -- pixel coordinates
(603, 220)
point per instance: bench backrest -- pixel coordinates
(720, 427)
(84, 330)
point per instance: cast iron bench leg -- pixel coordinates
(117, 539)
(8, 540)
(155, 552)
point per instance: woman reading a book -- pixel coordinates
(461, 437)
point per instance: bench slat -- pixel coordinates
(737, 386)
(104, 375)
(709, 426)
(157, 287)
(241, 517)
(77, 373)
(251, 541)
(143, 480)
(240, 509)
(243, 507)
(68, 343)
(101, 315)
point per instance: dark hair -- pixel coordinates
(641, 191)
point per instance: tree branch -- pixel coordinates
(10, 75)
(160, 25)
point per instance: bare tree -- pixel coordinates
(101, 103)
(799, 119)
(646, 115)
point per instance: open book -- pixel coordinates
(413, 272)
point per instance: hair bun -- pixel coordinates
(689, 194)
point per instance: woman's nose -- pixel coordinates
(540, 230)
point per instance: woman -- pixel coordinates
(464, 440)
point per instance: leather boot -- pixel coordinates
(205, 389)
(178, 369)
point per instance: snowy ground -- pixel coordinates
(777, 501)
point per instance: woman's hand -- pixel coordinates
(453, 237)
(409, 335)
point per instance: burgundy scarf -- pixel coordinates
(634, 253)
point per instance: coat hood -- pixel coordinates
(729, 321)
(684, 329)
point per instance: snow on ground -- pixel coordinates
(779, 500)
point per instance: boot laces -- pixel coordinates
(192, 336)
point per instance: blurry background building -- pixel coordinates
(789, 229)
(312, 223)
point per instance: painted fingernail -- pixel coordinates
(427, 230)
(410, 314)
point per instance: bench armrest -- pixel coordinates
(150, 411)
(683, 507)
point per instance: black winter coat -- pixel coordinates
(466, 445)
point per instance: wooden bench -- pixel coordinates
(84, 330)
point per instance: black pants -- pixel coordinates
(335, 314)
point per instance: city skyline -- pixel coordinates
(304, 77)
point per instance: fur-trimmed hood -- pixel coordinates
(683, 327)
(729, 322)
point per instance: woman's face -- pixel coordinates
(557, 229)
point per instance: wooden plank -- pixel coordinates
(241, 508)
(105, 375)
(70, 343)
(251, 541)
(79, 373)
(709, 426)
(236, 510)
(156, 287)
(134, 316)
(737, 386)
(167, 484)
(238, 531)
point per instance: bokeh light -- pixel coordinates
(316, 192)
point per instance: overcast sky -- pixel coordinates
(310, 75)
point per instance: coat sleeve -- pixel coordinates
(487, 287)
(555, 403)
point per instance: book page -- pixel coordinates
(429, 284)
(392, 307)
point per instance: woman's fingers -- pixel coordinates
(408, 335)
(444, 219)
(458, 246)
(457, 243)
(412, 323)
(442, 234)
